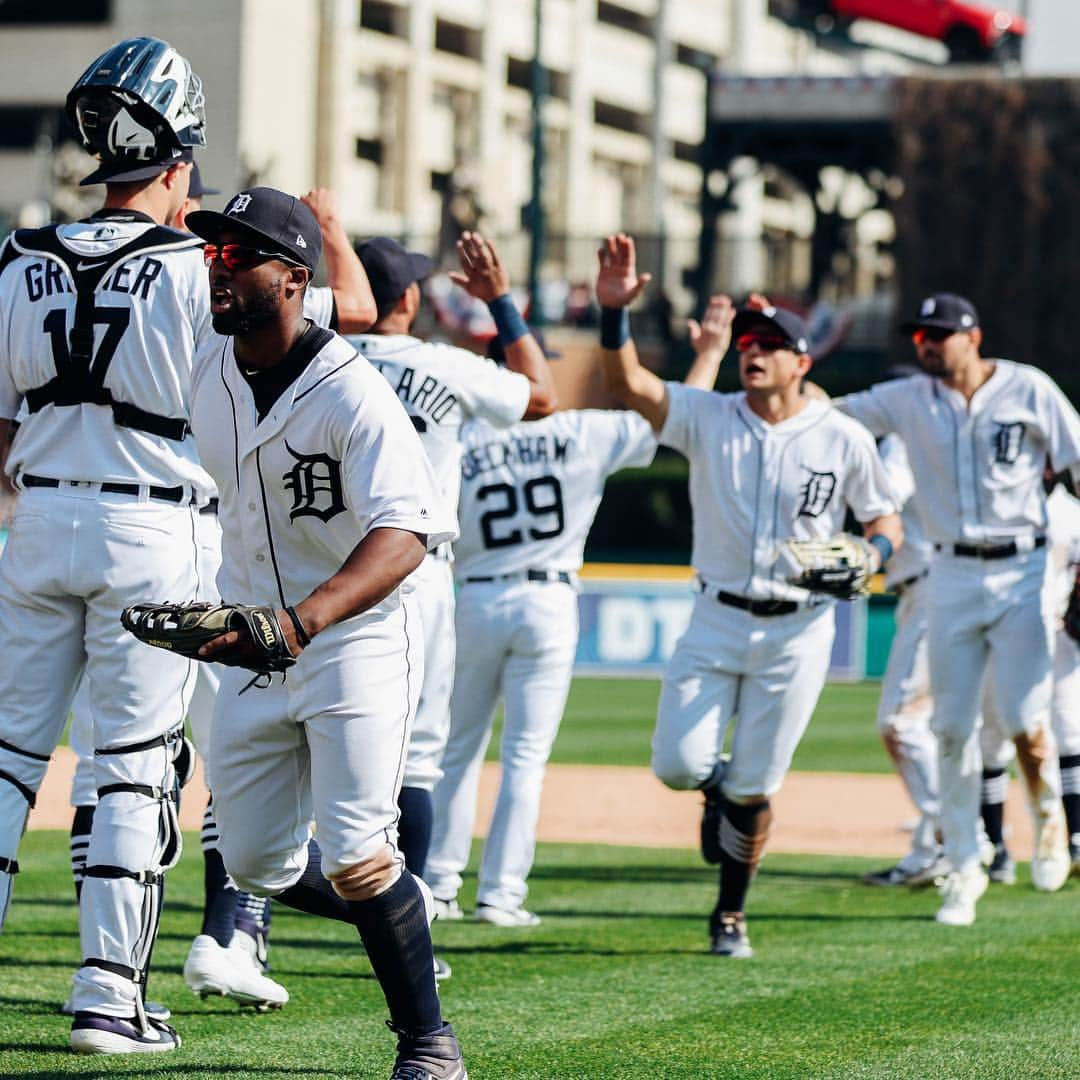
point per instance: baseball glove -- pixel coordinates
(1072, 612)
(185, 628)
(840, 566)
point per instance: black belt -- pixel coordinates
(210, 508)
(560, 576)
(168, 494)
(994, 551)
(755, 607)
(902, 586)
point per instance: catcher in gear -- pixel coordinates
(840, 566)
(239, 635)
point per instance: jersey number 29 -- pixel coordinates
(543, 500)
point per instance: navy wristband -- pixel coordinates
(511, 326)
(883, 545)
(614, 327)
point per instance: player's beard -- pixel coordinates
(250, 313)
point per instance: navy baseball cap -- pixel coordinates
(125, 171)
(196, 188)
(274, 220)
(943, 311)
(391, 270)
(787, 322)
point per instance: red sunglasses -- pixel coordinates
(933, 334)
(765, 342)
(240, 256)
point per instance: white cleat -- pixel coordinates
(1050, 865)
(959, 893)
(233, 972)
(447, 910)
(506, 917)
(442, 970)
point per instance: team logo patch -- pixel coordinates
(1008, 442)
(238, 205)
(816, 492)
(315, 483)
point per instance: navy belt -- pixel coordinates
(755, 607)
(902, 586)
(109, 487)
(560, 576)
(994, 551)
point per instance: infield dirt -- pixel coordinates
(815, 813)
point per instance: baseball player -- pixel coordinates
(101, 320)
(327, 503)
(229, 954)
(1063, 545)
(442, 388)
(766, 465)
(528, 498)
(977, 433)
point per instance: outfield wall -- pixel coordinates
(632, 616)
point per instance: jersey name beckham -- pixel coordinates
(334, 458)
(754, 485)
(441, 388)
(151, 310)
(529, 494)
(978, 467)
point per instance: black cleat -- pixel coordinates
(1002, 868)
(428, 1057)
(729, 937)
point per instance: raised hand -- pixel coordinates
(482, 274)
(714, 330)
(618, 283)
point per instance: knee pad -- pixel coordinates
(368, 878)
(21, 773)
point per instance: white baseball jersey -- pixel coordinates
(94, 419)
(1063, 534)
(301, 488)
(754, 485)
(979, 465)
(529, 494)
(913, 558)
(442, 388)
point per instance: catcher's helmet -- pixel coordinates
(138, 101)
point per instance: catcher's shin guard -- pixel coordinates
(134, 839)
(21, 773)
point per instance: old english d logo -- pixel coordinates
(315, 483)
(816, 491)
(1008, 442)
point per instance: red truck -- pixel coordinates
(972, 31)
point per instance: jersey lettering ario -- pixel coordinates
(102, 318)
(978, 467)
(754, 485)
(334, 458)
(442, 388)
(529, 494)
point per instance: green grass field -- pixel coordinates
(847, 981)
(610, 722)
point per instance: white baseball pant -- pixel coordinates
(987, 619)
(903, 718)
(327, 745)
(431, 587)
(516, 640)
(766, 670)
(74, 559)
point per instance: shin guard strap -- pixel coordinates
(8, 866)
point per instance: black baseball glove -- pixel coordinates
(840, 566)
(1072, 612)
(185, 628)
